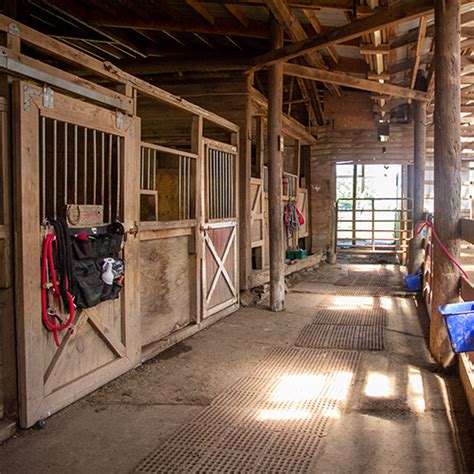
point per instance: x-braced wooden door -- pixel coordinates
(70, 154)
(220, 259)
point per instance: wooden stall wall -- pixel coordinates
(169, 263)
(230, 98)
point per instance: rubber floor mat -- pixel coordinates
(270, 421)
(326, 336)
(351, 316)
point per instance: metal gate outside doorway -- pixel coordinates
(374, 225)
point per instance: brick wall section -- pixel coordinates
(323, 195)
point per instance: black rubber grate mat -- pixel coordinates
(327, 336)
(351, 316)
(270, 421)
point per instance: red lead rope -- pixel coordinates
(422, 225)
(48, 262)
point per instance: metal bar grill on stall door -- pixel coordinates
(220, 171)
(79, 166)
(156, 159)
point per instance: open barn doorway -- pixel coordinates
(374, 221)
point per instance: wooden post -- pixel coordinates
(275, 174)
(416, 252)
(245, 173)
(447, 163)
(200, 204)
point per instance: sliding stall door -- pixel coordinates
(68, 152)
(220, 259)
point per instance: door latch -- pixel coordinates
(134, 230)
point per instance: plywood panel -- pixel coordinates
(168, 287)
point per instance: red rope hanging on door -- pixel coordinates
(421, 226)
(49, 313)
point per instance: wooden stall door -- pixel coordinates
(68, 152)
(221, 244)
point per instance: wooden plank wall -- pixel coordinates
(362, 145)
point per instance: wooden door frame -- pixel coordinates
(28, 107)
(8, 375)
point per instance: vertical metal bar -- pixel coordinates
(94, 144)
(354, 204)
(183, 187)
(373, 224)
(142, 168)
(43, 168)
(65, 162)
(102, 180)
(55, 167)
(188, 211)
(180, 212)
(119, 164)
(85, 165)
(154, 170)
(75, 164)
(211, 183)
(219, 182)
(216, 183)
(209, 173)
(148, 174)
(222, 184)
(227, 186)
(109, 201)
(212, 188)
(231, 186)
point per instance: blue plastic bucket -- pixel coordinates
(413, 281)
(459, 318)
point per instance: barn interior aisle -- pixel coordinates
(340, 382)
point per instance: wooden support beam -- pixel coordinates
(419, 49)
(447, 172)
(245, 198)
(237, 13)
(275, 175)
(342, 5)
(295, 31)
(284, 15)
(201, 10)
(416, 255)
(384, 18)
(351, 81)
(383, 76)
(314, 21)
(409, 38)
(57, 49)
(371, 49)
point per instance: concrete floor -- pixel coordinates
(401, 427)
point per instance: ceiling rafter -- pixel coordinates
(281, 11)
(80, 14)
(383, 18)
(353, 82)
(237, 13)
(419, 49)
(342, 5)
(315, 23)
(201, 10)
